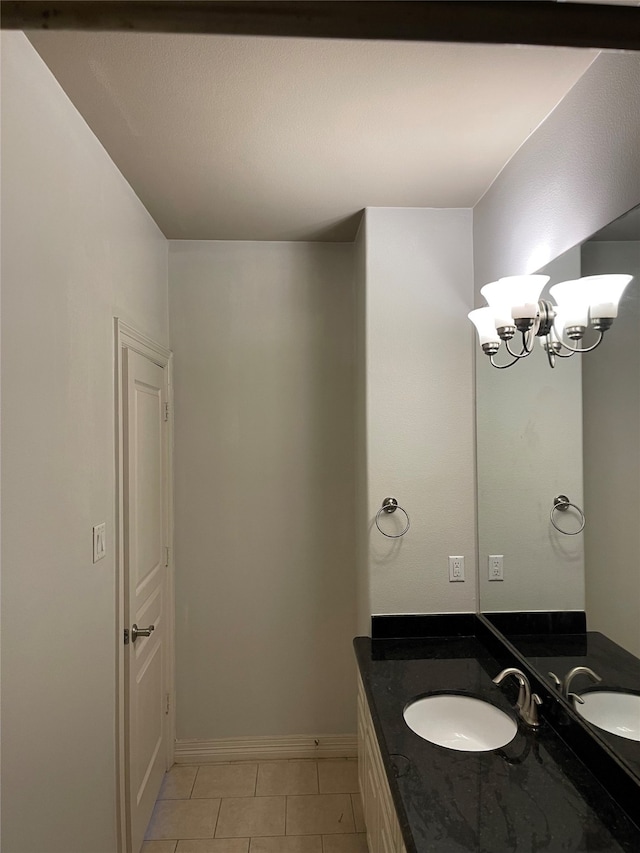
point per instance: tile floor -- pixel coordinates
(259, 807)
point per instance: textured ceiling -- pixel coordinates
(242, 138)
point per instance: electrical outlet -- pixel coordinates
(99, 541)
(456, 569)
(496, 568)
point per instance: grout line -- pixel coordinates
(193, 787)
(286, 813)
(318, 781)
(217, 817)
(353, 813)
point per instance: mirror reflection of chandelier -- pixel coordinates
(514, 304)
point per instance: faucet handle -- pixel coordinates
(555, 680)
(535, 700)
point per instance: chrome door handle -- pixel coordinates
(141, 632)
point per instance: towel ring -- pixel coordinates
(561, 503)
(390, 505)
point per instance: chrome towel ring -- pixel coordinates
(561, 503)
(390, 505)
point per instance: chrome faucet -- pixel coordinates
(527, 701)
(564, 685)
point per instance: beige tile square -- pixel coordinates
(214, 845)
(178, 783)
(358, 813)
(246, 816)
(225, 780)
(287, 844)
(319, 814)
(345, 843)
(183, 819)
(287, 777)
(338, 777)
(159, 847)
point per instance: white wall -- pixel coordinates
(77, 249)
(419, 406)
(611, 391)
(529, 437)
(264, 460)
(576, 173)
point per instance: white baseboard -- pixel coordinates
(265, 748)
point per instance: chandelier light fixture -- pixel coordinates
(514, 305)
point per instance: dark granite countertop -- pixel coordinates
(531, 795)
(619, 670)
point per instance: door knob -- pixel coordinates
(141, 632)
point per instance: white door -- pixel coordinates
(145, 514)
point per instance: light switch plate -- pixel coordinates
(99, 542)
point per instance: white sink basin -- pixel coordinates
(618, 713)
(460, 722)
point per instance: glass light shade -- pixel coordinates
(524, 292)
(484, 321)
(573, 298)
(499, 301)
(605, 292)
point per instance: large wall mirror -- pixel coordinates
(570, 599)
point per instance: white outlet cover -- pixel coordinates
(496, 567)
(456, 569)
(99, 542)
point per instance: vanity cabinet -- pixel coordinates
(383, 830)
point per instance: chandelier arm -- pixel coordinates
(503, 366)
(532, 335)
(527, 348)
(568, 355)
(588, 349)
(525, 352)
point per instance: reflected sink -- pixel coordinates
(460, 722)
(618, 713)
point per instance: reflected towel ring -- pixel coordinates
(561, 503)
(390, 505)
